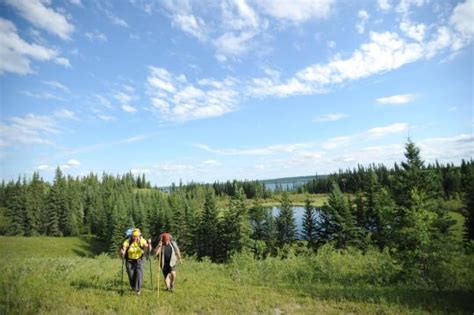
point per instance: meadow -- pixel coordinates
(43, 275)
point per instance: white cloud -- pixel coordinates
(73, 163)
(57, 85)
(191, 25)
(447, 148)
(128, 108)
(268, 150)
(211, 163)
(417, 32)
(16, 54)
(331, 44)
(76, 2)
(96, 35)
(462, 18)
(177, 99)
(385, 52)
(117, 21)
(106, 117)
(404, 6)
(363, 18)
(384, 5)
(30, 129)
(233, 44)
(43, 17)
(43, 167)
(396, 99)
(330, 117)
(64, 113)
(239, 15)
(371, 134)
(297, 11)
(44, 95)
(122, 97)
(379, 132)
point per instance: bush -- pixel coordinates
(328, 265)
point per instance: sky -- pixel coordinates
(237, 89)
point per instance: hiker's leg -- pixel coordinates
(130, 273)
(173, 277)
(168, 281)
(139, 274)
(166, 275)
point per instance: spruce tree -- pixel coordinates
(285, 221)
(207, 231)
(309, 224)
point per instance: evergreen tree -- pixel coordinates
(285, 221)
(206, 233)
(15, 207)
(337, 221)
(309, 224)
(257, 216)
(235, 226)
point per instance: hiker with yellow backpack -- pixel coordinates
(133, 252)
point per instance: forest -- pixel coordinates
(404, 212)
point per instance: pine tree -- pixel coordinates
(337, 221)
(236, 226)
(15, 208)
(257, 215)
(285, 221)
(309, 224)
(206, 233)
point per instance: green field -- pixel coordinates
(66, 276)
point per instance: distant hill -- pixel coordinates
(289, 182)
(284, 182)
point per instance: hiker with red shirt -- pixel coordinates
(169, 259)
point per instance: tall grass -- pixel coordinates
(65, 276)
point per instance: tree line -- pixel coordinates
(404, 210)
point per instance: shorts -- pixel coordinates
(167, 269)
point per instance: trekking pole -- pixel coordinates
(159, 272)
(151, 272)
(121, 281)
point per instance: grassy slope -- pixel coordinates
(58, 275)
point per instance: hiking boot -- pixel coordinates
(139, 292)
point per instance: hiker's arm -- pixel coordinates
(123, 250)
(149, 245)
(158, 248)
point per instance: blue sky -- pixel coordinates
(217, 90)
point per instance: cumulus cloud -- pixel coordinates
(363, 17)
(297, 11)
(177, 99)
(462, 18)
(43, 17)
(16, 54)
(190, 24)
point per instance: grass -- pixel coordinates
(64, 275)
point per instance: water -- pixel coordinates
(298, 213)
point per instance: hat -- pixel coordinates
(165, 237)
(136, 233)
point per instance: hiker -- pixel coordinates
(169, 258)
(133, 250)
